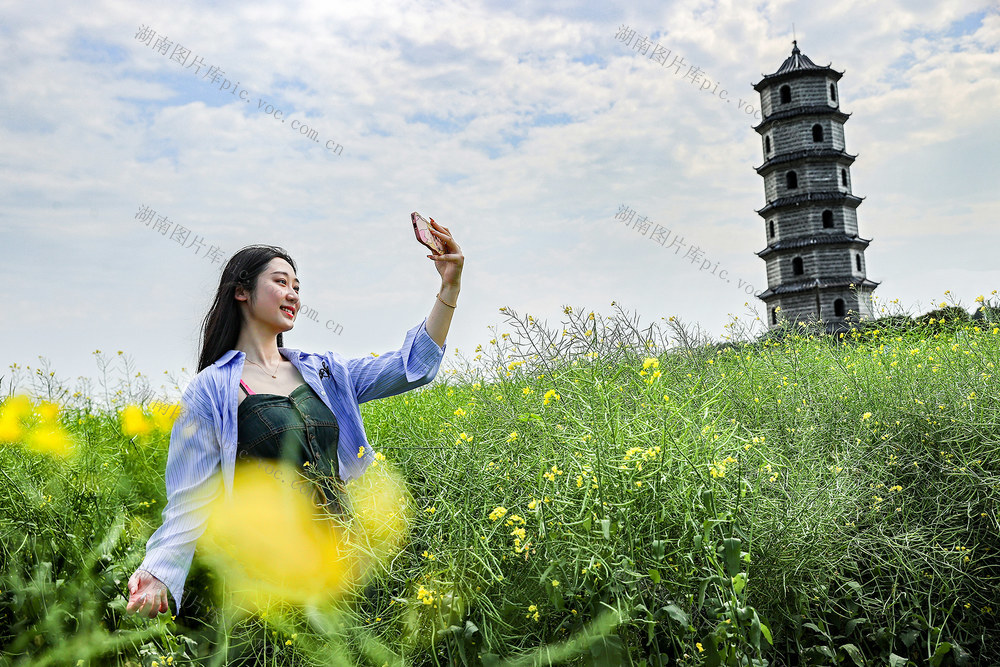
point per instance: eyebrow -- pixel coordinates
(284, 273)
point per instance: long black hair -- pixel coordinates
(222, 325)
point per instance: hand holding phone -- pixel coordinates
(422, 230)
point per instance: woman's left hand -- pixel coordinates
(450, 264)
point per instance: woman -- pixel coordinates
(313, 397)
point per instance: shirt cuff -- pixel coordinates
(423, 334)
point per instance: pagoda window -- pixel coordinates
(827, 219)
(797, 266)
(838, 308)
(792, 180)
(770, 228)
(767, 146)
(774, 316)
(857, 261)
(843, 177)
(817, 133)
(833, 93)
(786, 94)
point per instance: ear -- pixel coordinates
(241, 293)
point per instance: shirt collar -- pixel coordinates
(286, 352)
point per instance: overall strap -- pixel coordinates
(246, 389)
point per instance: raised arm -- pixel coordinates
(449, 265)
(411, 366)
(417, 361)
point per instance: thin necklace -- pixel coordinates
(275, 375)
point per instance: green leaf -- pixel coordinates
(606, 528)
(701, 594)
(943, 649)
(825, 650)
(655, 576)
(607, 651)
(766, 631)
(676, 613)
(712, 657)
(854, 654)
(852, 625)
(897, 660)
(739, 582)
(909, 637)
(855, 586)
(755, 631)
(659, 548)
(732, 550)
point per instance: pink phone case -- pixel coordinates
(421, 228)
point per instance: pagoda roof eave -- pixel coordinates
(812, 110)
(817, 283)
(807, 198)
(806, 154)
(805, 242)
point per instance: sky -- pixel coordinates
(524, 127)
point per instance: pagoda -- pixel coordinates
(815, 259)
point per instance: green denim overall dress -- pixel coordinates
(301, 427)
(297, 428)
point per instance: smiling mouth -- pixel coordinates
(288, 311)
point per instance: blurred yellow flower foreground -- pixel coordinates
(272, 544)
(35, 426)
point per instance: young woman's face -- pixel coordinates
(276, 301)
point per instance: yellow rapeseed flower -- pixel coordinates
(50, 439)
(48, 411)
(18, 406)
(268, 544)
(382, 509)
(134, 422)
(10, 428)
(164, 415)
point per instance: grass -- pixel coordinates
(582, 495)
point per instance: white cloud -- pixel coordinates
(438, 108)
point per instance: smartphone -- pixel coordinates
(421, 228)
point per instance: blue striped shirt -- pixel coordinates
(203, 439)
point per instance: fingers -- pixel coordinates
(147, 596)
(135, 581)
(136, 603)
(437, 224)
